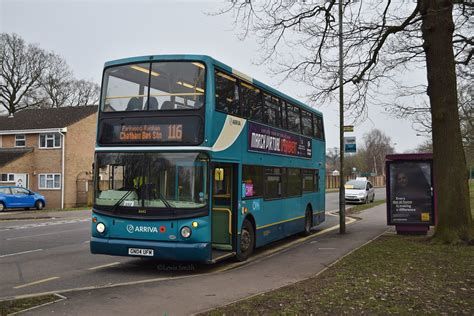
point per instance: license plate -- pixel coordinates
(140, 252)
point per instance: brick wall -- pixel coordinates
(80, 145)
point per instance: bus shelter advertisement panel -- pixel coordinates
(270, 140)
(411, 193)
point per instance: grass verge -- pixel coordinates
(15, 306)
(361, 207)
(392, 275)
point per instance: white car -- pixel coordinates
(359, 190)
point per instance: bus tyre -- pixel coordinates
(247, 241)
(39, 205)
(307, 224)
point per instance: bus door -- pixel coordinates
(224, 198)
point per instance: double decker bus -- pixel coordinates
(196, 161)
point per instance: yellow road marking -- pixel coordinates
(36, 282)
(104, 266)
(267, 253)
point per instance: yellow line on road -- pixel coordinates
(273, 251)
(104, 266)
(36, 282)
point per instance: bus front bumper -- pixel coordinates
(173, 251)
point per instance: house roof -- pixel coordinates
(46, 118)
(8, 155)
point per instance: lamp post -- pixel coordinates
(342, 195)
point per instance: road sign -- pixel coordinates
(348, 128)
(350, 144)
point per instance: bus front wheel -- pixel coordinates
(247, 241)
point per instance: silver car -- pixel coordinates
(359, 190)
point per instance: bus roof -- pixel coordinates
(210, 60)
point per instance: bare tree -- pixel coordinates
(332, 158)
(357, 162)
(57, 82)
(31, 77)
(382, 39)
(21, 67)
(376, 146)
(84, 93)
(425, 147)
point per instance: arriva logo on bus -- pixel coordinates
(142, 229)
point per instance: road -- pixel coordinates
(52, 254)
(332, 199)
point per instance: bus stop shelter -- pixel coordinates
(411, 200)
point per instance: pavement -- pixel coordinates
(194, 293)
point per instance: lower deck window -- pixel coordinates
(274, 183)
(308, 180)
(252, 180)
(294, 182)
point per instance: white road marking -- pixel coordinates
(35, 282)
(20, 253)
(104, 266)
(45, 234)
(44, 224)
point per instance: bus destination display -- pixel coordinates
(158, 132)
(151, 130)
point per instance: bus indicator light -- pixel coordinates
(162, 229)
(195, 224)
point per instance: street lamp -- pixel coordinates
(342, 197)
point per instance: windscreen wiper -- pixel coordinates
(121, 200)
(165, 202)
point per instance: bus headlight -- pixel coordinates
(186, 232)
(100, 227)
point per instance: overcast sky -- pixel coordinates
(89, 32)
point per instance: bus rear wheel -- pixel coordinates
(247, 241)
(307, 223)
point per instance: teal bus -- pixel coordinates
(196, 161)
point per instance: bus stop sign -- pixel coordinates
(350, 144)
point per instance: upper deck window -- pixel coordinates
(294, 118)
(251, 102)
(154, 86)
(227, 94)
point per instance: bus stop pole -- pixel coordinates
(342, 204)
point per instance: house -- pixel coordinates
(49, 151)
